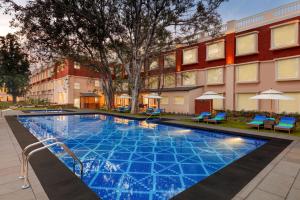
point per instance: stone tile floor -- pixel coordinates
(279, 180)
(10, 185)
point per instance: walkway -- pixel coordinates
(10, 185)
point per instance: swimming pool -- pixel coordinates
(130, 159)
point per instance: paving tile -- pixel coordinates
(277, 184)
(297, 182)
(18, 195)
(294, 194)
(287, 168)
(262, 195)
(8, 164)
(11, 187)
(292, 157)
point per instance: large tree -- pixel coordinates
(151, 26)
(14, 66)
(125, 32)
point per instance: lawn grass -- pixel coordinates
(240, 123)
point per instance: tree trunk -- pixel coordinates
(135, 100)
(14, 99)
(109, 94)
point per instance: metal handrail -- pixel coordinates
(24, 154)
(66, 149)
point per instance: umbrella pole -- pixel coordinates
(271, 108)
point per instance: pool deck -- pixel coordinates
(10, 161)
(279, 180)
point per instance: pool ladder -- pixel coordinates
(25, 158)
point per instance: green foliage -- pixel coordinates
(14, 66)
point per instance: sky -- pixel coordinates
(230, 10)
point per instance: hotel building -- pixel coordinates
(251, 55)
(67, 83)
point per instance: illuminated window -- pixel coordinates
(246, 44)
(215, 50)
(245, 103)
(188, 78)
(77, 86)
(154, 64)
(179, 100)
(76, 65)
(77, 103)
(153, 82)
(284, 36)
(190, 56)
(170, 60)
(97, 83)
(292, 106)
(247, 73)
(164, 101)
(214, 76)
(169, 80)
(287, 69)
(218, 104)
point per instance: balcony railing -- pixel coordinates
(283, 12)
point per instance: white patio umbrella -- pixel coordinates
(210, 95)
(124, 96)
(154, 96)
(271, 95)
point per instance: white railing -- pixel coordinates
(276, 14)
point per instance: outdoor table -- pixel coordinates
(269, 123)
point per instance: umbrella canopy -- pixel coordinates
(125, 96)
(210, 95)
(271, 95)
(153, 96)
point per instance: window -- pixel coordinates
(291, 106)
(190, 56)
(178, 100)
(77, 86)
(153, 82)
(214, 76)
(247, 73)
(169, 80)
(284, 36)
(215, 50)
(245, 103)
(76, 65)
(164, 101)
(97, 83)
(287, 69)
(218, 104)
(77, 103)
(246, 44)
(125, 86)
(170, 60)
(188, 78)
(154, 65)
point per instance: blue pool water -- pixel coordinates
(135, 160)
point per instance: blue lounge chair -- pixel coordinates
(257, 121)
(148, 111)
(202, 116)
(126, 109)
(120, 109)
(220, 117)
(286, 124)
(157, 112)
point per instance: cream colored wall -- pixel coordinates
(266, 81)
(87, 85)
(189, 101)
